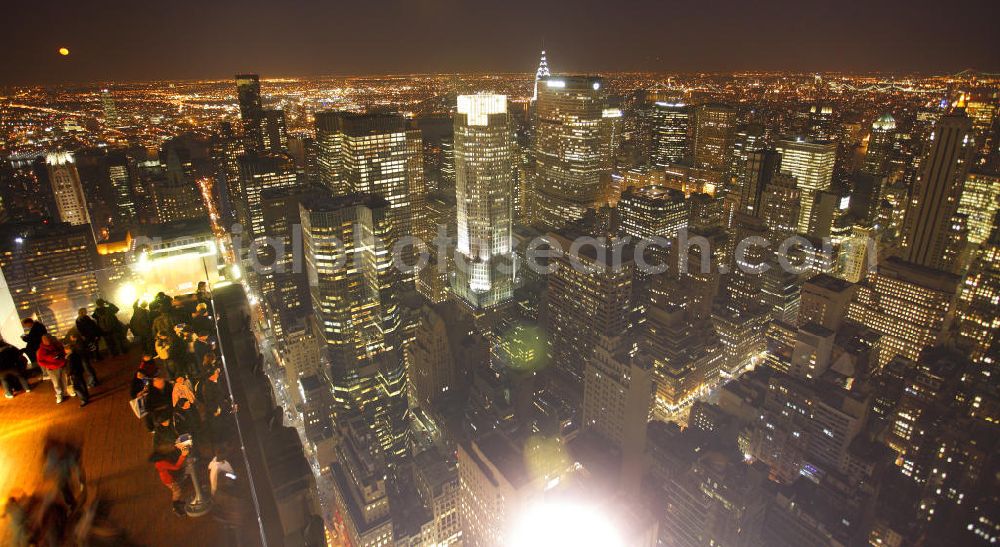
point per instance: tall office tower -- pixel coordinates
(825, 300)
(978, 321)
(355, 299)
(226, 150)
(484, 186)
(447, 183)
(283, 283)
(979, 203)
(713, 136)
(618, 392)
(756, 175)
(780, 205)
(251, 111)
(819, 122)
(670, 122)
(274, 133)
(50, 270)
(747, 139)
(540, 74)
(881, 142)
(652, 211)
(371, 154)
(435, 478)
(71, 204)
(430, 371)
(359, 485)
(260, 172)
(686, 357)
(121, 187)
(585, 301)
(573, 145)
(439, 212)
(930, 237)
(108, 104)
(811, 163)
(911, 306)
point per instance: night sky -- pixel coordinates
(178, 39)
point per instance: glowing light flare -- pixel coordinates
(63, 51)
(564, 523)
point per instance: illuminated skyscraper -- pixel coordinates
(911, 306)
(978, 320)
(617, 398)
(811, 163)
(713, 136)
(260, 172)
(542, 72)
(121, 187)
(484, 191)
(979, 203)
(574, 140)
(880, 146)
(50, 270)
(584, 301)
(756, 174)
(71, 204)
(274, 133)
(932, 235)
(108, 104)
(374, 154)
(652, 211)
(670, 132)
(251, 111)
(780, 205)
(355, 299)
(820, 122)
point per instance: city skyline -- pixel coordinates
(306, 39)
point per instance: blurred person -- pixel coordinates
(33, 332)
(158, 401)
(63, 465)
(12, 368)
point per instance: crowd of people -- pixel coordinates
(177, 386)
(176, 389)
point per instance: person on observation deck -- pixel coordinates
(106, 316)
(91, 333)
(12, 368)
(51, 356)
(34, 330)
(169, 463)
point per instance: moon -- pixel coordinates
(63, 51)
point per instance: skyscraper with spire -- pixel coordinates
(542, 72)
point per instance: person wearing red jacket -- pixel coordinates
(168, 462)
(51, 356)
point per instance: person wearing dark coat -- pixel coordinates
(90, 331)
(159, 400)
(34, 330)
(141, 326)
(112, 330)
(75, 371)
(12, 364)
(79, 346)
